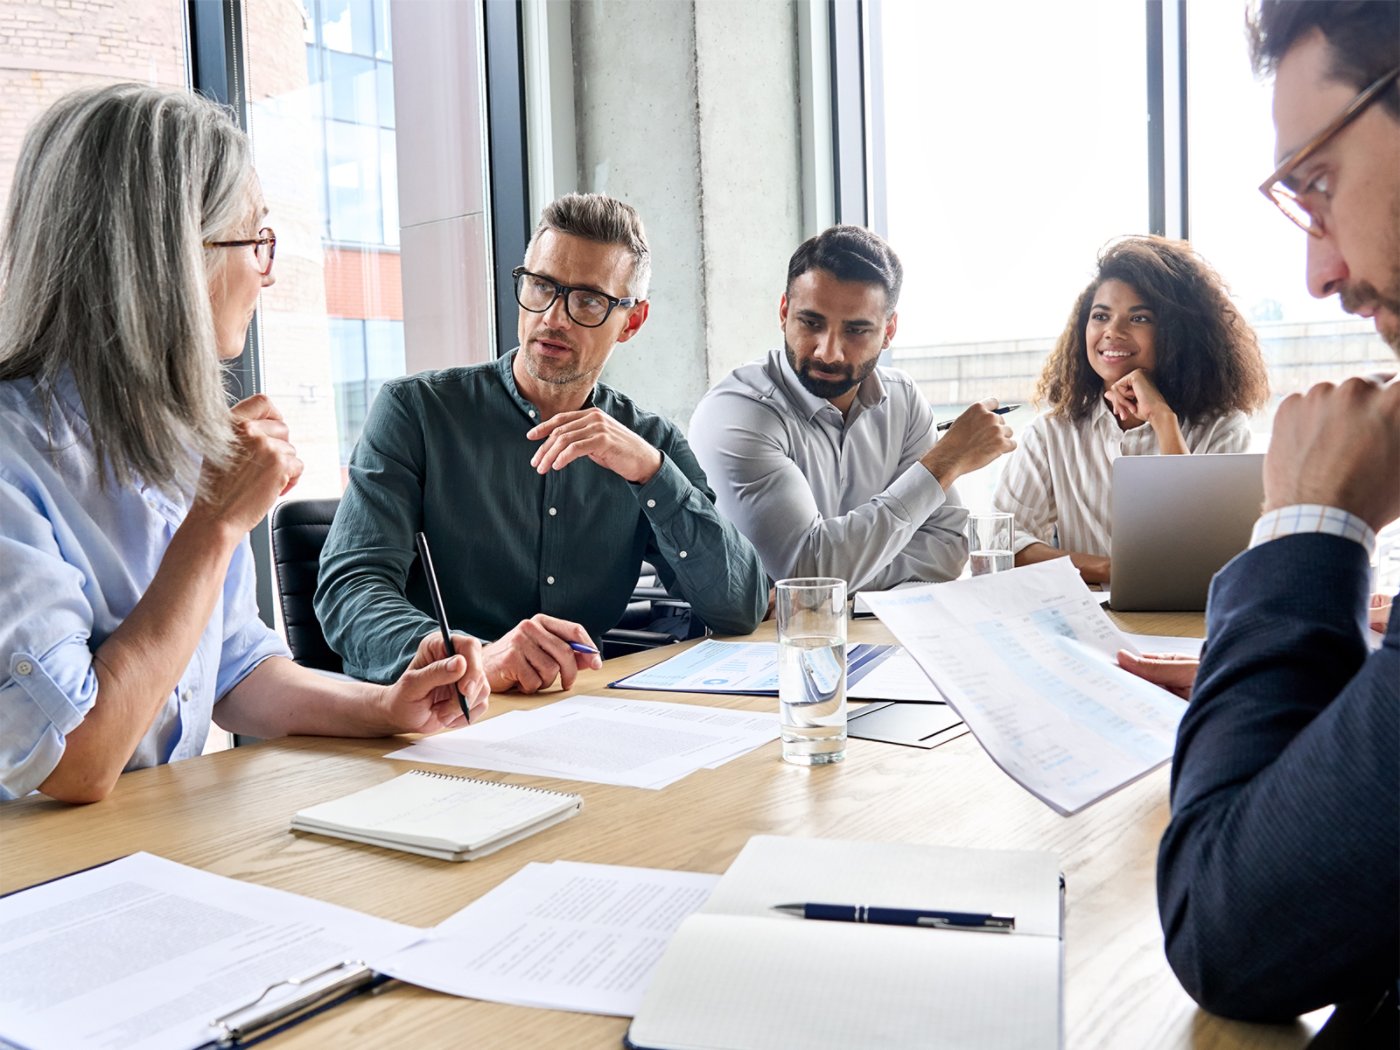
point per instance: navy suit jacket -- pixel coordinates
(1278, 879)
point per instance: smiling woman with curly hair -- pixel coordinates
(1155, 359)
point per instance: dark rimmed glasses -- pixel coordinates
(1278, 186)
(585, 306)
(264, 247)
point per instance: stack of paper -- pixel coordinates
(564, 936)
(1028, 659)
(143, 953)
(605, 740)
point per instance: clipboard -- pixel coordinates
(253, 1023)
(322, 985)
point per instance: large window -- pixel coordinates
(50, 50)
(321, 114)
(1015, 147)
(1258, 251)
(1016, 144)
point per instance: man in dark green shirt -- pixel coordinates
(540, 490)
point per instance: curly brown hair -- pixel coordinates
(1208, 359)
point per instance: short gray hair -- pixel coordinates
(606, 220)
(104, 276)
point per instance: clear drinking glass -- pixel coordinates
(989, 542)
(812, 669)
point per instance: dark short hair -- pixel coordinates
(605, 220)
(1208, 359)
(1362, 36)
(850, 253)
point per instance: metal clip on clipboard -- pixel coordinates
(250, 1021)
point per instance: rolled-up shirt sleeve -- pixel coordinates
(47, 682)
(247, 641)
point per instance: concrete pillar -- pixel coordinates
(688, 110)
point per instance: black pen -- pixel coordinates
(435, 596)
(941, 920)
(996, 412)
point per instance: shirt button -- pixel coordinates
(651, 503)
(549, 579)
(552, 512)
(184, 696)
(24, 667)
(682, 554)
(531, 415)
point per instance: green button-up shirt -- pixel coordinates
(445, 452)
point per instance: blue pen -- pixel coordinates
(579, 647)
(939, 920)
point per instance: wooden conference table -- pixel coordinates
(228, 813)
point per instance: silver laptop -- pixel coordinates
(1176, 521)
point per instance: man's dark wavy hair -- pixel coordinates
(850, 253)
(1208, 359)
(1364, 37)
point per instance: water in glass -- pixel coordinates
(812, 699)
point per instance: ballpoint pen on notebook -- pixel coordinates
(435, 596)
(945, 920)
(996, 412)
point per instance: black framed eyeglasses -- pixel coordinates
(264, 247)
(1279, 187)
(585, 306)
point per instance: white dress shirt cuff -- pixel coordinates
(1313, 517)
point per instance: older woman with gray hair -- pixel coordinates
(133, 255)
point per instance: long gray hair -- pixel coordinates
(104, 276)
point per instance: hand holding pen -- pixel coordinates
(537, 652)
(1001, 411)
(472, 687)
(973, 440)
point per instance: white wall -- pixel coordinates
(688, 110)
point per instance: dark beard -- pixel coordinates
(828, 388)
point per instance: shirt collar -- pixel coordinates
(870, 393)
(1103, 418)
(505, 368)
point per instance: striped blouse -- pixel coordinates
(1058, 482)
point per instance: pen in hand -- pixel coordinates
(941, 920)
(996, 412)
(435, 595)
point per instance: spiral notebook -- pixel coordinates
(439, 815)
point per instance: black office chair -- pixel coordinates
(299, 529)
(653, 617)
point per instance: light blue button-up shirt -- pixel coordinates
(75, 558)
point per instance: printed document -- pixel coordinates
(142, 953)
(634, 743)
(564, 936)
(737, 668)
(1028, 659)
(897, 677)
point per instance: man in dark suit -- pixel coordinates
(1279, 875)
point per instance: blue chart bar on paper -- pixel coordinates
(740, 668)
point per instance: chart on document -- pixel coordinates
(1028, 659)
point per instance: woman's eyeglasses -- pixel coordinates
(264, 247)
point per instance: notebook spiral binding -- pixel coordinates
(493, 783)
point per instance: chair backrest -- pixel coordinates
(299, 529)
